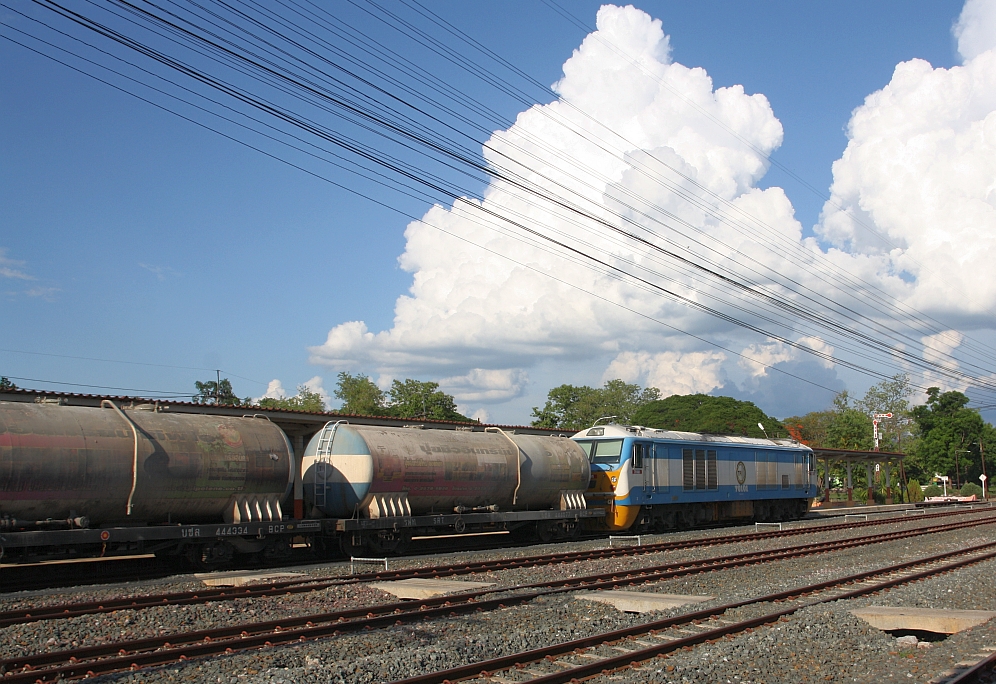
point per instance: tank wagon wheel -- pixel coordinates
(388, 542)
(211, 556)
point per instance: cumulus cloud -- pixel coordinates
(757, 359)
(486, 386)
(315, 385)
(670, 372)
(486, 303)
(274, 390)
(920, 169)
(976, 28)
(469, 313)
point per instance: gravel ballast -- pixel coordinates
(819, 643)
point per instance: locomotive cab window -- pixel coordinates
(586, 446)
(607, 451)
(638, 453)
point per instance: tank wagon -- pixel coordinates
(384, 484)
(658, 480)
(83, 481)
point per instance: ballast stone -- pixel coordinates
(642, 602)
(427, 588)
(937, 620)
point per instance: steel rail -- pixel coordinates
(974, 673)
(167, 649)
(634, 657)
(288, 587)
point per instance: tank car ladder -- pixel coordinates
(323, 462)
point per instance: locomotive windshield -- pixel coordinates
(602, 451)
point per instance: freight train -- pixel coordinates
(215, 490)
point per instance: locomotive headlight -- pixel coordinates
(613, 479)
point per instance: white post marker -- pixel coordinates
(983, 478)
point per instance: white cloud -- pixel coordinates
(670, 372)
(11, 268)
(274, 390)
(315, 385)
(480, 415)
(486, 386)
(920, 168)
(469, 312)
(758, 358)
(976, 28)
(937, 349)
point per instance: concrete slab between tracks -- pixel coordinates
(937, 620)
(427, 588)
(642, 602)
(240, 578)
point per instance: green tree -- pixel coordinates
(305, 400)
(810, 429)
(712, 415)
(850, 428)
(6, 384)
(213, 392)
(890, 396)
(949, 436)
(359, 395)
(569, 407)
(418, 399)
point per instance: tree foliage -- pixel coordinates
(305, 400)
(708, 414)
(420, 399)
(6, 384)
(359, 395)
(569, 407)
(850, 428)
(890, 396)
(950, 435)
(406, 399)
(213, 392)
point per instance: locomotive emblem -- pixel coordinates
(741, 472)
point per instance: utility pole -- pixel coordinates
(217, 389)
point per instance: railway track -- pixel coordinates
(136, 654)
(600, 654)
(304, 585)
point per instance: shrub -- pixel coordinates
(932, 490)
(915, 491)
(971, 488)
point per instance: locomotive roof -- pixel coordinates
(615, 430)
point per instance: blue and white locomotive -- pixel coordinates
(657, 480)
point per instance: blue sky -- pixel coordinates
(131, 235)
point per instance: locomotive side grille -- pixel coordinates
(700, 469)
(687, 469)
(713, 469)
